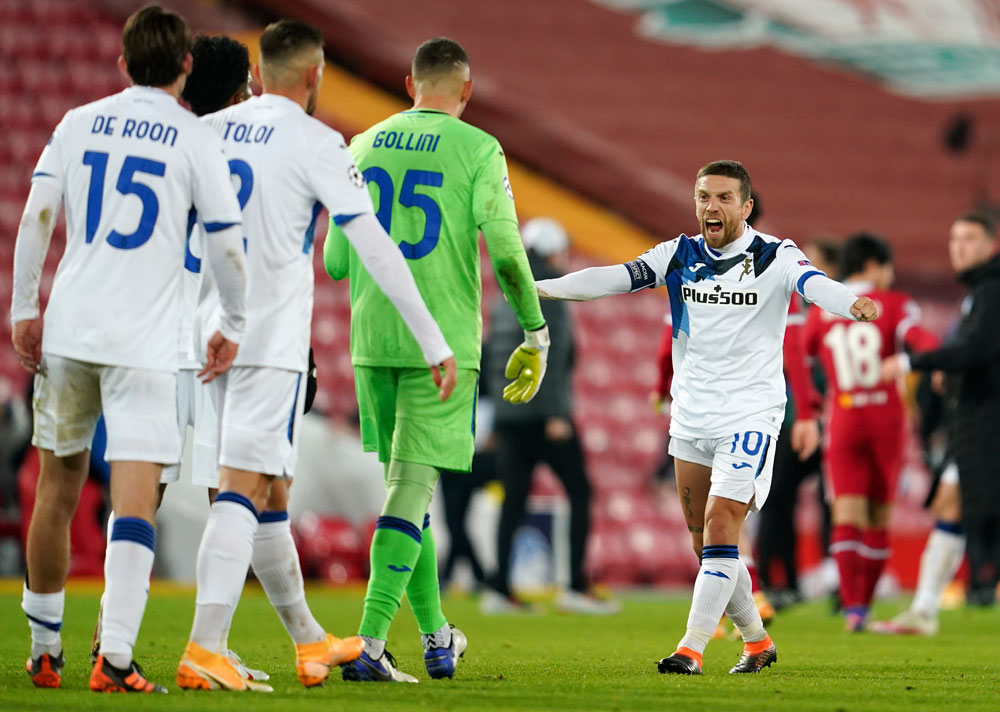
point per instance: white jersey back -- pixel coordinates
(130, 168)
(728, 311)
(289, 165)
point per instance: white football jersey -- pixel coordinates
(728, 311)
(288, 165)
(130, 168)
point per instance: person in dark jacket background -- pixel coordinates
(971, 363)
(540, 431)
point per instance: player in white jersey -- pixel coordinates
(288, 166)
(219, 78)
(129, 168)
(729, 289)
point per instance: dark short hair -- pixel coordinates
(286, 38)
(221, 67)
(860, 248)
(829, 249)
(437, 56)
(981, 218)
(154, 45)
(729, 169)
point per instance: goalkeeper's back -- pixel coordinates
(434, 181)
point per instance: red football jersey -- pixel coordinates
(851, 352)
(866, 425)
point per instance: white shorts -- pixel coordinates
(196, 407)
(741, 464)
(260, 419)
(139, 405)
(950, 474)
(207, 421)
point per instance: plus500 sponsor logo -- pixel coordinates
(718, 296)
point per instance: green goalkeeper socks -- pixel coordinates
(397, 544)
(424, 591)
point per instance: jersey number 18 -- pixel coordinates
(856, 349)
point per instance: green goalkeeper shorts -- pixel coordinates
(403, 419)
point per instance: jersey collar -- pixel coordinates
(149, 93)
(279, 100)
(733, 248)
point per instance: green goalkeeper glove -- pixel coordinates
(527, 366)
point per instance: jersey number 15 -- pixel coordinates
(126, 185)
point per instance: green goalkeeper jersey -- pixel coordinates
(435, 181)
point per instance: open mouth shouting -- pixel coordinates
(713, 228)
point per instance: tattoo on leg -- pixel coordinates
(686, 496)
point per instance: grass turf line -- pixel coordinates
(546, 663)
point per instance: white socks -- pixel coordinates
(373, 646)
(276, 565)
(45, 615)
(223, 560)
(720, 569)
(127, 568)
(942, 556)
(742, 609)
(441, 638)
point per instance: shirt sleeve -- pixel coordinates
(49, 169)
(337, 181)
(977, 344)
(492, 195)
(910, 334)
(650, 268)
(800, 276)
(212, 189)
(647, 270)
(513, 273)
(30, 248)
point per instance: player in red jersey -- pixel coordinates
(866, 423)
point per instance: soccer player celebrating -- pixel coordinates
(440, 181)
(128, 167)
(866, 427)
(729, 290)
(288, 164)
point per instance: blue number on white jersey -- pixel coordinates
(126, 185)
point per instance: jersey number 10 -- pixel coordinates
(856, 349)
(408, 198)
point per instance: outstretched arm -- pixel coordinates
(587, 284)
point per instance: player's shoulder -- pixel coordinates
(773, 242)
(85, 113)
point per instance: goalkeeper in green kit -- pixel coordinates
(436, 182)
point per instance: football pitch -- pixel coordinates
(545, 662)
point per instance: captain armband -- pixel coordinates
(640, 274)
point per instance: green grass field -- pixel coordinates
(546, 662)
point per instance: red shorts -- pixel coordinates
(863, 452)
